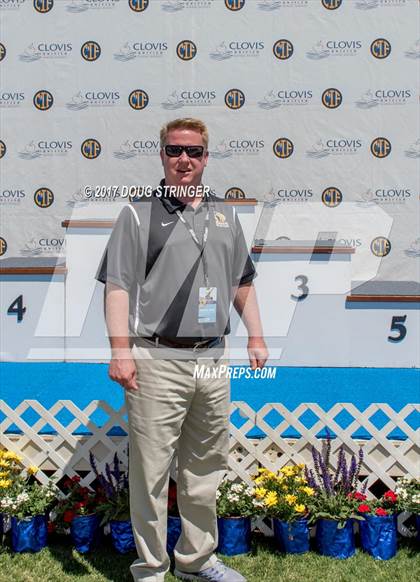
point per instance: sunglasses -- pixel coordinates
(193, 151)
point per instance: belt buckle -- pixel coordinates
(198, 345)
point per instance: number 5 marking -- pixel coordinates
(397, 324)
(303, 279)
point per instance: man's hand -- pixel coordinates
(257, 352)
(123, 371)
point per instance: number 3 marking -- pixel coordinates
(303, 279)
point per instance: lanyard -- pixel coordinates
(197, 242)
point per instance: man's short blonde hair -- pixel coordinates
(185, 123)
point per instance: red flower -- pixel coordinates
(363, 508)
(381, 512)
(358, 496)
(68, 515)
(75, 479)
(79, 505)
(51, 527)
(391, 496)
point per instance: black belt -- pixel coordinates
(185, 343)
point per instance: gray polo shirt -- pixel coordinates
(152, 255)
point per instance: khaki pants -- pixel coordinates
(174, 411)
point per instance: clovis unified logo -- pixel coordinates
(46, 50)
(47, 244)
(76, 6)
(137, 147)
(334, 146)
(271, 5)
(282, 97)
(11, 4)
(11, 98)
(238, 146)
(334, 48)
(384, 196)
(237, 48)
(100, 98)
(384, 96)
(371, 4)
(45, 148)
(177, 5)
(189, 97)
(141, 49)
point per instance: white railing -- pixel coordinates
(64, 452)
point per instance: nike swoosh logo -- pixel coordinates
(166, 223)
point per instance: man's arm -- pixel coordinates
(245, 303)
(122, 368)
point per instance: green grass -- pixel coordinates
(59, 563)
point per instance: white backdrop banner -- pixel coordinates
(307, 101)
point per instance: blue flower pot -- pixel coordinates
(29, 534)
(378, 536)
(293, 537)
(234, 535)
(174, 531)
(122, 536)
(418, 527)
(334, 541)
(84, 530)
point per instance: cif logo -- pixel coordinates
(3, 246)
(90, 51)
(380, 48)
(43, 197)
(234, 5)
(138, 5)
(43, 6)
(3, 149)
(138, 99)
(2, 51)
(43, 100)
(234, 98)
(283, 49)
(332, 197)
(186, 50)
(235, 192)
(380, 147)
(283, 147)
(91, 148)
(331, 4)
(332, 98)
(380, 246)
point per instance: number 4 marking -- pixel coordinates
(397, 324)
(16, 308)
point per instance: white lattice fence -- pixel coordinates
(47, 437)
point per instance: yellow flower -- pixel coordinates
(300, 480)
(4, 474)
(5, 483)
(259, 480)
(271, 499)
(290, 499)
(32, 470)
(11, 456)
(260, 492)
(300, 508)
(4, 463)
(308, 490)
(288, 470)
(301, 466)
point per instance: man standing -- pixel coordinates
(174, 264)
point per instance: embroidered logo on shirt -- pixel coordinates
(166, 223)
(221, 220)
